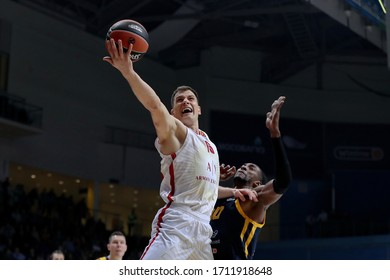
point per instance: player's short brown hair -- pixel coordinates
(181, 89)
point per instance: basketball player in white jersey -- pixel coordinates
(189, 168)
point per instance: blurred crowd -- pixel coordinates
(34, 224)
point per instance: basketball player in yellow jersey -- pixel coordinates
(116, 246)
(189, 168)
(238, 223)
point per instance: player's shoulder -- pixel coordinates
(102, 259)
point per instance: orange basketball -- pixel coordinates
(130, 32)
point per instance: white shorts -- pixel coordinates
(181, 236)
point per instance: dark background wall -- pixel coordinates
(335, 121)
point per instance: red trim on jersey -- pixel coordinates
(162, 213)
(172, 174)
(200, 132)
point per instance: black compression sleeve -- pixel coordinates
(283, 175)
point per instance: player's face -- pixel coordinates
(248, 172)
(117, 245)
(186, 107)
(57, 256)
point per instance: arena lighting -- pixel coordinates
(382, 6)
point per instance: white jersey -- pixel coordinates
(191, 175)
(189, 187)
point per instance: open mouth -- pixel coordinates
(186, 110)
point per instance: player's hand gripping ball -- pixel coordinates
(130, 32)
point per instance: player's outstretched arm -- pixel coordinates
(164, 123)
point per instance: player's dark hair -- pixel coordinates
(115, 233)
(181, 89)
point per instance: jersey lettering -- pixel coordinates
(217, 212)
(209, 148)
(212, 168)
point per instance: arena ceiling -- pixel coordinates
(292, 34)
